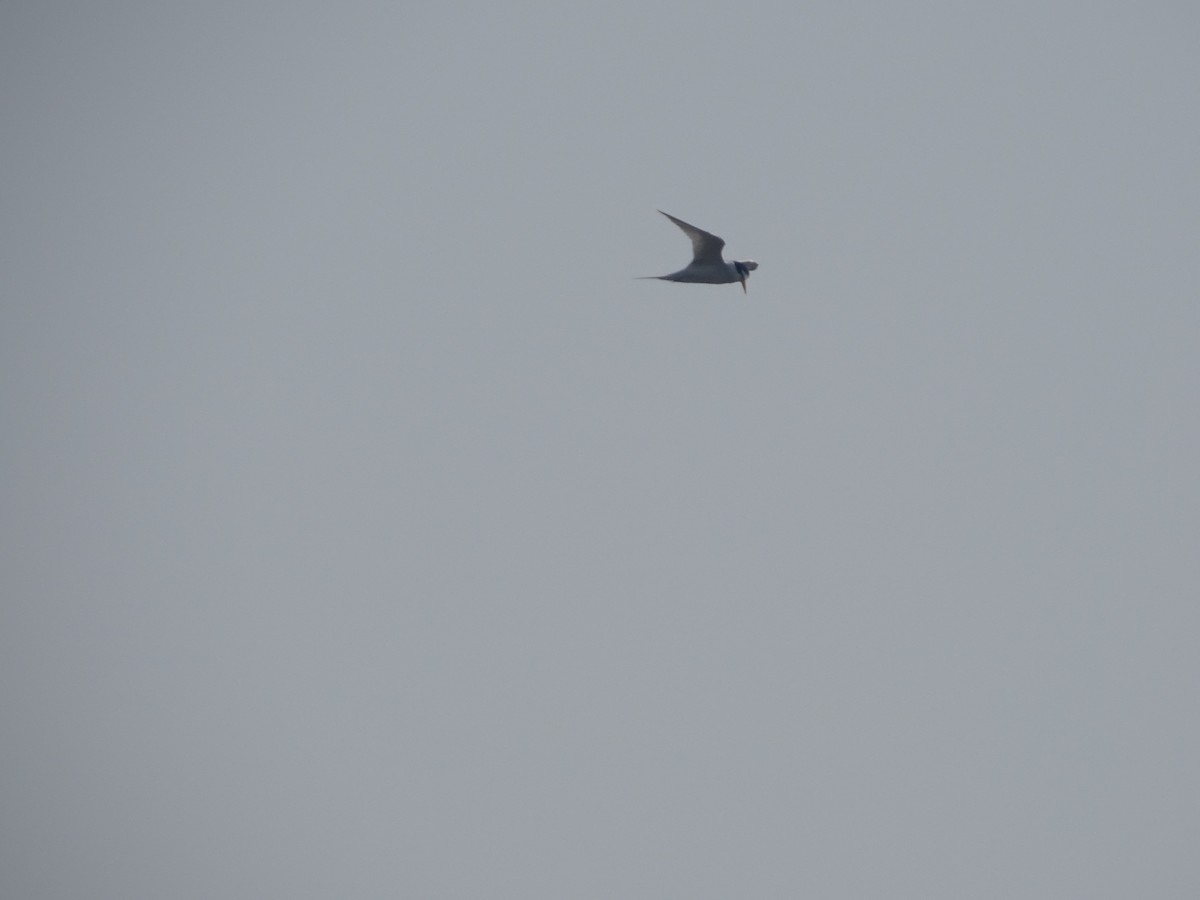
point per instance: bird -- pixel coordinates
(708, 266)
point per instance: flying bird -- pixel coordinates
(707, 265)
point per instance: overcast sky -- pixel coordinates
(366, 529)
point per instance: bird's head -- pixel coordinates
(744, 268)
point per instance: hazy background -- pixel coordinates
(368, 531)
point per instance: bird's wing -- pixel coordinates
(706, 248)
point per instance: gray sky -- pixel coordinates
(368, 531)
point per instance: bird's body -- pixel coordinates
(708, 266)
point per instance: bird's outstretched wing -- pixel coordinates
(706, 248)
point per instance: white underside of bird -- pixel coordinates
(708, 266)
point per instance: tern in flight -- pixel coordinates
(707, 265)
